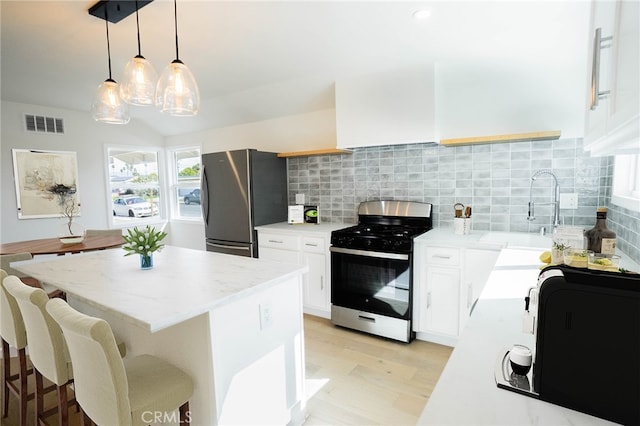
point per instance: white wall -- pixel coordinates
(392, 107)
(494, 100)
(300, 132)
(83, 136)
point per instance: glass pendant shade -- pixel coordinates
(107, 106)
(177, 92)
(139, 82)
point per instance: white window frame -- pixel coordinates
(626, 182)
(174, 185)
(161, 218)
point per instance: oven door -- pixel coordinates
(374, 282)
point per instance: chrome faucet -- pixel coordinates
(556, 198)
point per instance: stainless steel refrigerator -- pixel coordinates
(240, 190)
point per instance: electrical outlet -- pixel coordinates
(266, 315)
(569, 201)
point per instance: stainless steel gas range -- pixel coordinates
(371, 268)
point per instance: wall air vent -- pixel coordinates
(41, 124)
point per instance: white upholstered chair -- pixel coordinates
(5, 263)
(13, 335)
(103, 232)
(47, 348)
(6, 259)
(132, 390)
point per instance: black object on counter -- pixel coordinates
(587, 355)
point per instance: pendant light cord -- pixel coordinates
(138, 27)
(175, 20)
(106, 24)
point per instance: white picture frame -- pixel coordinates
(34, 173)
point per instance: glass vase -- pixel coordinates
(146, 261)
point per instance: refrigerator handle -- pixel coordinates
(204, 195)
(224, 246)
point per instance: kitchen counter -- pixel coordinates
(444, 237)
(466, 392)
(306, 228)
(183, 284)
(234, 324)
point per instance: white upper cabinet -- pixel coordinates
(612, 122)
(395, 107)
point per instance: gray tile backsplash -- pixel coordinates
(494, 179)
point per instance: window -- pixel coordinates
(134, 184)
(626, 182)
(186, 164)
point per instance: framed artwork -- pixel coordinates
(39, 176)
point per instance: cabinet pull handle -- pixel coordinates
(441, 256)
(311, 244)
(598, 45)
(428, 299)
(276, 241)
(469, 294)
(321, 282)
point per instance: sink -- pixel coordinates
(518, 239)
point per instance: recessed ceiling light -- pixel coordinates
(422, 14)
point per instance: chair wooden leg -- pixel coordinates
(23, 392)
(86, 420)
(39, 398)
(8, 387)
(61, 409)
(185, 416)
(63, 406)
(6, 372)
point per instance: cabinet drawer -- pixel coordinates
(313, 244)
(443, 256)
(280, 241)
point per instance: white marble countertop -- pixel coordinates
(183, 283)
(483, 239)
(466, 393)
(444, 237)
(306, 228)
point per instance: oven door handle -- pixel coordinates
(395, 256)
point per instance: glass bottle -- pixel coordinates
(601, 239)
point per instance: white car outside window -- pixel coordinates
(131, 206)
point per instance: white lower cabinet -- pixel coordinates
(316, 294)
(478, 265)
(312, 251)
(443, 296)
(447, 282)
(279, 247)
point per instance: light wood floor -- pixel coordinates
(352, 378)
(366, 380)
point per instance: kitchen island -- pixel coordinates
(466, 392)
(233, 323)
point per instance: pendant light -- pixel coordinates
(107, 106)
(177, 92)
(139, 82)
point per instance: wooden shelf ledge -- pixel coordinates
(326, 151)
(514, 137)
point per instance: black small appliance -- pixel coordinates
(587, 345)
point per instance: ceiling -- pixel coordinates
(258, 60)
